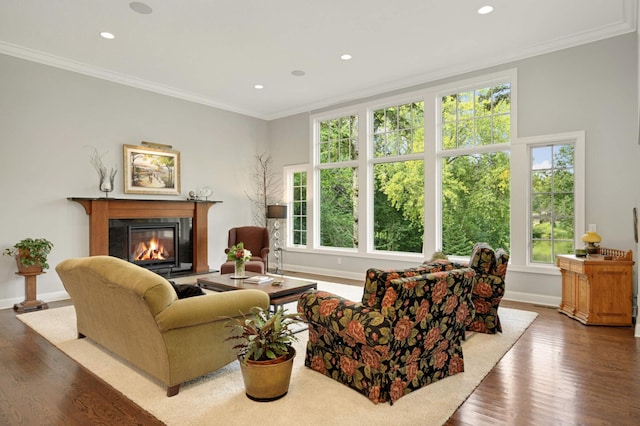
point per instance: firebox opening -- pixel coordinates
(153, 245)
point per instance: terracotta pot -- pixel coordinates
(265, 380)
(33, 269)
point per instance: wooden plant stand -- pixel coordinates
(30, 303)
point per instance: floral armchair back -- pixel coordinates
(491, 268)
(405, 334)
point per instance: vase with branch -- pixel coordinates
(106, 177)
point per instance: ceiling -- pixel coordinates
(214, 51)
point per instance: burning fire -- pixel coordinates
(151, 250)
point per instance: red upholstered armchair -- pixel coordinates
(255, 239)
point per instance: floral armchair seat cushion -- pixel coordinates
(391, 345)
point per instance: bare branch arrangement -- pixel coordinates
(267, 190)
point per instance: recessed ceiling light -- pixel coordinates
(345, 57)
(140, 7)
(485, 9)
(107, 35)
(258, 86)
(298, 73)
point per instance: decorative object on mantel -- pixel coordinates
(206, 192)
(106, 179)
(31, 258)
(277, 212)
(240, 256)
(149, 170)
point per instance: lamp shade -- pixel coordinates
(277, 211)
(591, 237)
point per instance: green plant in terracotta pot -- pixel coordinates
(31, 254)
(265, 352)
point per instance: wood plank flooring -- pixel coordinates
(560, 372)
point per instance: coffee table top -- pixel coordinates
(288, 287)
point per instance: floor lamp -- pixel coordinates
(277, 212)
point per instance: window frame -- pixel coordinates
(521, 242)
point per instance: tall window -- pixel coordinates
(338, 174)
(398, 174)
(299, 209)
(552, 202)
(475, 168)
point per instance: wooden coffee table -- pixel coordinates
(288, 291)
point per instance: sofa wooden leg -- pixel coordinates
(173, 390)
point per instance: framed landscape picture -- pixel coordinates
(150, 170)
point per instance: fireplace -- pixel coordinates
(154, 245)
(190, 215)
(163, 245)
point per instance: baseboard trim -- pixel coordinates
(45, 297)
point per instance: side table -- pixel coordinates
(30, 303)
(598, 290)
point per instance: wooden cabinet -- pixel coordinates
(598, 290)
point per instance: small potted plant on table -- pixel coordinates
(265, 352)
(31, 254)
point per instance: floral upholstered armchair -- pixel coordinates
(490, 267)
(405, 334)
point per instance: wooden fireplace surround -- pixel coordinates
(100, 210)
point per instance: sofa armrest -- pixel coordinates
(211, 307)
(344, 317)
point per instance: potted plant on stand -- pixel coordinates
(265, 352)
(31, 258)
(31, 254)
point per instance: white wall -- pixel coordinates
(48, 119)
(591, 88)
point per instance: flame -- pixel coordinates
(151, 250)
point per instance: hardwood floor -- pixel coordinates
(560, 372)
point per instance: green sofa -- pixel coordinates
(137, 315)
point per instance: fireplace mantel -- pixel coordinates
(100, 210)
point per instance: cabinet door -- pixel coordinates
(583, 298)
(568, 304)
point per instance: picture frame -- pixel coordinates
(151, 170)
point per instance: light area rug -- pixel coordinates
(313, 399)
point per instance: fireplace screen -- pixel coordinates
(154, 246)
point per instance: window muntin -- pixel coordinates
(552, 214)
(398, 130)
(338, 140)
(477, 117)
